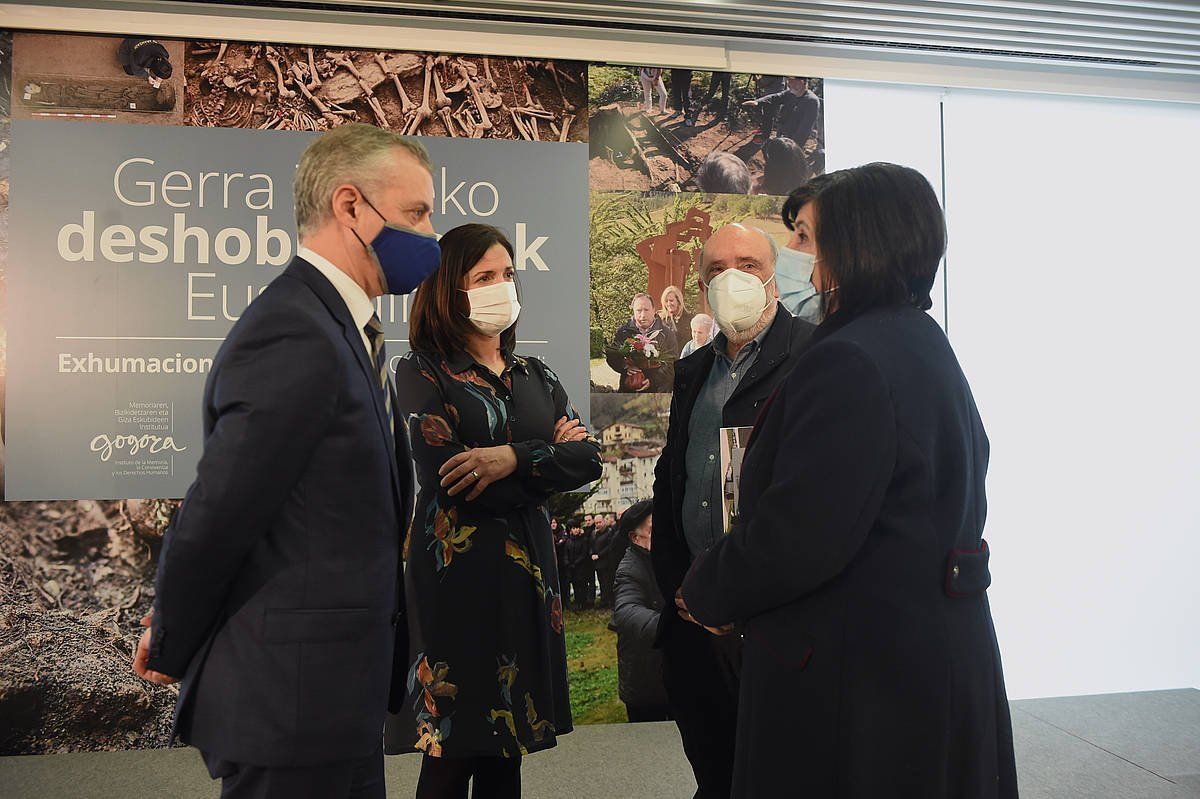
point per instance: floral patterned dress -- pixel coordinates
(487, 673)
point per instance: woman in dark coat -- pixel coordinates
(857, 572)
(493, 437)
(638, 608)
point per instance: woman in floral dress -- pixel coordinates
(493, 437)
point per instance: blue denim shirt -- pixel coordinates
(703, 514)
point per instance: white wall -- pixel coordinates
(1073, 273)
(1074, 276)
(867, 122)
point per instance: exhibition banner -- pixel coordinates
(134, 249)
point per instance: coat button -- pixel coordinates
(954, 571)
(704, 504)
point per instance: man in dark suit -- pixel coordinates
(723, 384)
(278, 587)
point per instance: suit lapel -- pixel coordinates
(312, 277)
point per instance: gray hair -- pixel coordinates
(758, 230)
(703, 319)
(350, 153)
(638, 296)
(723, 173)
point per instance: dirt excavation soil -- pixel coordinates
(664, 153)
(670, 152)
(75, 578)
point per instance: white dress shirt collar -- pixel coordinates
(360, 305)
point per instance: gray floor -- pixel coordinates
(1124, 746)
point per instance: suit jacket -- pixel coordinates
(278, 582)
(781, 349)
(858, 574)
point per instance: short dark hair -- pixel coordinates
(723, 173)
(798, 198)
(784, 166)
(880, 234)
(438, 321)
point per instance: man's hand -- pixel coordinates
(142, 654)
(569, 430)
(477, 469)
(683, 614)
(595, 557)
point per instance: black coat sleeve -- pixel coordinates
(611, 356)
(633, 613)
(544, 468)
(271, 401)
(669, 554)
(434, 439)
(834, 449)
(772, 101)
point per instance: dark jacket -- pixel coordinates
(636, 610)
(578, 553)
(781, 349)
(795, 115)
(668, 350)
(857, 573)
(681, 328)
(611, 544)
(136, 53)
(278, 582)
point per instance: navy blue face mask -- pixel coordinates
(405, 257)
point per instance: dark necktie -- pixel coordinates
(374, 331)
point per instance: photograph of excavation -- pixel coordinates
(658, 129)
(131, 80)
(75, 579)
(288, 87)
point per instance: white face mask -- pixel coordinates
(738, 300)
(494, 308)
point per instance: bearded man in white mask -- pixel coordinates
(725, 385)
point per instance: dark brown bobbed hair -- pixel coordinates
(880, 234)
(438, 318)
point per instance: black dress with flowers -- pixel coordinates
(488, 672)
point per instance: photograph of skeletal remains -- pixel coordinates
(126, 79)
(289, 87)
(659, 129)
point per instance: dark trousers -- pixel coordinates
(347, 779)
(640, 713)
(722, 81)
(701, 671)
(583, 587)
(608, 579)
(447, 777)
(681, 85)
